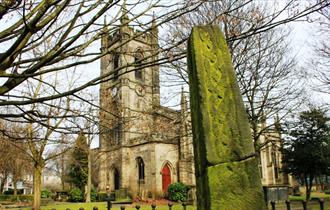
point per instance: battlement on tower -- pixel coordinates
(130, 33)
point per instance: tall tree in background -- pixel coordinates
(78, 169)
(306, 152)
(321, 63)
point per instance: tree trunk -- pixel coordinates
(15, 186)
(37, 186)
(62, 183)
(309, 187)
(306, 189)
(2, 185)
(62, 172)
(89, 178)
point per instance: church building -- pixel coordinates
(144, 147)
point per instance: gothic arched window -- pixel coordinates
(140, 165)
(275, 163)
(115, 66)
(138, 65)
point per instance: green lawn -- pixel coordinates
(315, 195)
(295, 205)
(103, 206)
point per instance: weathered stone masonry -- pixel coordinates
(227, 175)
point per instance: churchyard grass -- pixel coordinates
(103, 206)
(314, 196)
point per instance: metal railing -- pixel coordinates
(304, 204)
(288, 205)
(137, 207)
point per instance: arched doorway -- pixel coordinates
(166, 177)
(116, 179)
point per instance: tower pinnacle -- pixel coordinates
(183, 101)
(124, 14)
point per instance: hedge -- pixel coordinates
(14, 198)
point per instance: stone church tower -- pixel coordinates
(143, 146)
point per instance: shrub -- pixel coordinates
(9, 192)
(76, 195)
(45, 193)
(177, 192)
(327, 191)
(26, 197)
(101, 196)
(15, 198)
(4, 197)
(93, 195)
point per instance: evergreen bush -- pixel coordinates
(76, 195)
(177, 192)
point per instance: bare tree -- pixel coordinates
(14, 162)
(266, 72)
(59, 165)
(321, 61)
(39, 135)
(71, 29)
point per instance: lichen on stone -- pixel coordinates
(222, 138)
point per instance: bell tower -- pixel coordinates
(130, 86)
(129, 94)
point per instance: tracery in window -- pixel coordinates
(117, 133)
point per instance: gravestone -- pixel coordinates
(227, 174)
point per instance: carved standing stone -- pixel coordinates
(227, 174)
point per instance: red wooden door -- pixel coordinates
(166, 177)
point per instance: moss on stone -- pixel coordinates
(235, 186)
(220, 126)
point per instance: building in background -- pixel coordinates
(275, 181)
(23, 186)
(144, 147)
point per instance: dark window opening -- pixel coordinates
(115, 66)
(276, 172)
(138, 66)
(116, 179)
(140, 168)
